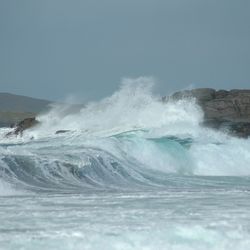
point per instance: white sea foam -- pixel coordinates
(7, 190)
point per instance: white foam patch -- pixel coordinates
(174, 238)
(230, 157)
(7, 190)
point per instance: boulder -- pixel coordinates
(62, 131)
(25, 124)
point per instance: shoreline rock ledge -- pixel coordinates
(225, 110)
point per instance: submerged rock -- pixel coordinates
(62, 131)
(25, 124)
(222, 108)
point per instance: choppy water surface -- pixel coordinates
(133, 173)
(173, 219)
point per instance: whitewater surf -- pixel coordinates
(131, 172)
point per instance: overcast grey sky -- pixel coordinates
(49, 48)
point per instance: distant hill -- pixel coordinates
(14, 108)
(18, 103)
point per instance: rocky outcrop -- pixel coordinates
(222, 109)
(25, 124)
(22, 126)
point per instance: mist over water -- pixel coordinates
(132, 172)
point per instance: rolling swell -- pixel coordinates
(44, 166)
(126, 161)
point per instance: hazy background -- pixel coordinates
(49, 48)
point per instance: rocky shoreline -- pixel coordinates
(224, 110)
(228, 111)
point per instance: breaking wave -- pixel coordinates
(132, 139)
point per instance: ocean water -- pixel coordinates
(132, 173)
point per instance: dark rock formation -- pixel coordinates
(23, 125)
(223, 109)
(62, 131)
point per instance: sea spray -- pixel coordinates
(132, 107)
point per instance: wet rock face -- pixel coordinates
(202, 95)
(231, 105)
(23, 125)
(62, 131)
(230, 109)
(241, 129)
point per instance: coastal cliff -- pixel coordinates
(225, 110)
